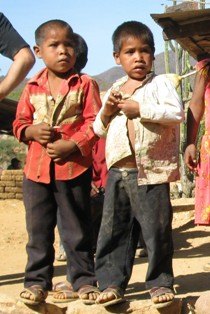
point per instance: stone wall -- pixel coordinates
(11, 182)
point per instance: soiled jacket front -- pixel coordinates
(157, 131)
(73, 111)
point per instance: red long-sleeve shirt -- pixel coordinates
(100, 171)
(74, 111)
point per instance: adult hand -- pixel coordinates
(190, 157)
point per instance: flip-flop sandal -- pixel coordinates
(39, 295)
(160, 291)
(118, 297)
(65, 296)
(86, 290)
(62, 285)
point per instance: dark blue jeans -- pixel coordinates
(127, 208)
(41, 202)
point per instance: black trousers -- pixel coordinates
(41, 202)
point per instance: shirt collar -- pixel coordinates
(124, 79)
(42, 76)
(118, 84)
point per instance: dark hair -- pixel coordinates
(132, 29)
(206, 68)
(43, 28)
(81, 50)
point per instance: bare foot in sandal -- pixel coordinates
(88, 294)
(64, 292)
(62, 285)
(65, 296)
(33, 295)
(162, 296)
(111, 296)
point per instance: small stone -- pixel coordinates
(202, 305)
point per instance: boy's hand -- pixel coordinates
(111, 107)
(190, 157)
(130, 108)
(41, 133)
(61, 149)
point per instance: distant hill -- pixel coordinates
(107, 78)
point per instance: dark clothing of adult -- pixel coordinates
(10, 40)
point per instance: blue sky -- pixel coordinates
(95, 20)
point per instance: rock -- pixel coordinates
(202, 305)
(137, 307)
(9, 305)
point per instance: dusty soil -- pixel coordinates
(192, 252)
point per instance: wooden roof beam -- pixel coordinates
(172, 30)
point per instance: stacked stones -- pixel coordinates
(11, 182)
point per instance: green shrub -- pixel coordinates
(10, 148)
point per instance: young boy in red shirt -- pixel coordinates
(54, 118)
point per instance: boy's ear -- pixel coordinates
(37, 51)
(116, 57)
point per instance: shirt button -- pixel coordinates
(124, 173)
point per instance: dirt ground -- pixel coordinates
(192, 252)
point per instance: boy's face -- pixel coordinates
(136, 57)
(56, 50)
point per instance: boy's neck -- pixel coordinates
(54, 84)
(132, 84)
(55, 80)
